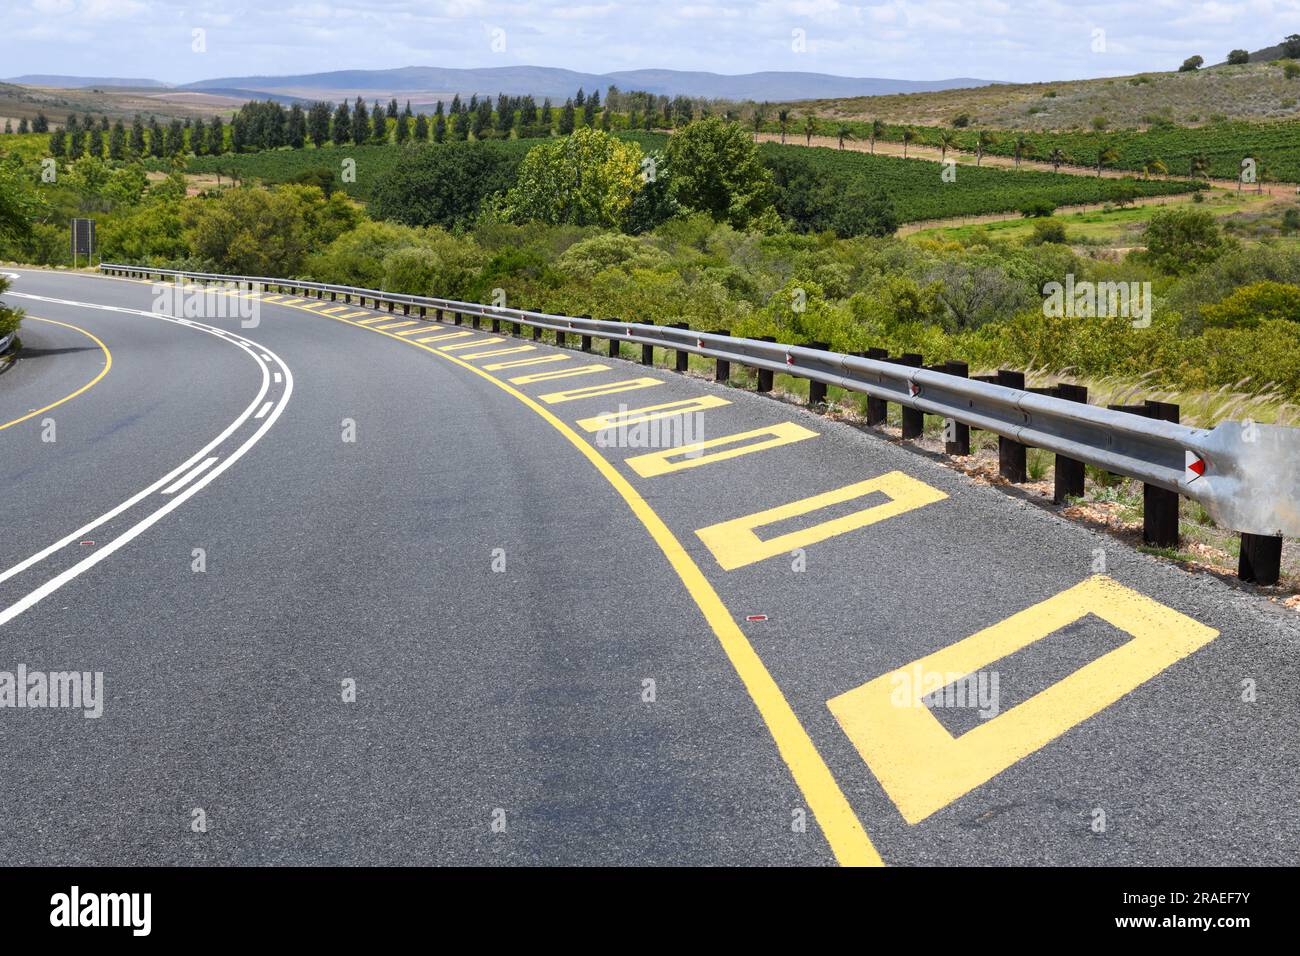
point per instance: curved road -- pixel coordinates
(365, 589)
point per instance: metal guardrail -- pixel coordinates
(1246, 475)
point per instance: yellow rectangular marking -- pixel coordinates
(625, 417)
(444, 336)
(595, 391)
(924, 768)
(421, 327)
(520, 363)
(351, 315)
(374, 319)
(335, 310)
(395, 325)
(293, 301)
(558, 373)
(272, 298)
(735, 543)
(668, 460)
(492, 352)
(469, 345)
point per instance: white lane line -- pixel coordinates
(190, 476)
(277, 378)
(95, 557)
(263, 410)
(266, 358)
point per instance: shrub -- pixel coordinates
(1252, 304)
(1038, 208)
(1048, 230)
(1182, 240)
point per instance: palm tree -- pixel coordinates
(947, 141)
(982, 142)
(1200, 167)
(909, 134)
(844, 132)
(783, 123)
(877, 129)
(1056, 157)
(1107, 154)
(1022, 146)
(757, 118)
(809, 127)
(1154, 167)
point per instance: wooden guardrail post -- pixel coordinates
(1011, 454)
(765, 375)
(615, 345)
(1261, 559)
(816, 389)
(647, 349)
(956, 436)
(877, 408)
(1159, 505)
(723, 371)
(682, 358)
(1069, 473)
(913, 418)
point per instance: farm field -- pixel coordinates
(918, 191)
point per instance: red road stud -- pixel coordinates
(756, 617)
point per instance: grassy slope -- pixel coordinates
(1255, 91)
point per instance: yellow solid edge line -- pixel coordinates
(108, 363)
(840, 825)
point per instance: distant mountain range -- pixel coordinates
(82, 82)
(539, 81)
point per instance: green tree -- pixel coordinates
(342, 127)
(360, 122)
(1191, 64)
(1180, 240)
(567, 118)
(809, 128)
(318, 123)
(716, 170)
(137, 137)
(589, 178)
(1238, 57)
(296, 127)
(421, 130)
(877, 131)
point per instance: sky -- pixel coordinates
(1015, 40)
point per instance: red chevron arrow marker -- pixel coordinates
(1194, 467)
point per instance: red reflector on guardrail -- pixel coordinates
(1194, 466)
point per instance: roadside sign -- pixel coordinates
(83, 238)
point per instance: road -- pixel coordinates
(364, 590)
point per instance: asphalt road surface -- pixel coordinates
(368, 589)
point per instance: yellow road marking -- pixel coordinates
(351, 315)
(595, 391)
(423, 327)
(373, 319)
(335, 310)
(923, 767)
(470, 345)
(394, 325)
(108, 363)
(445, 336)
(520, 363)
(832, 810)
(735, 543)
(514, 351)
(293, 301)
(558, 373)
(626, 417)
(668, 460)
